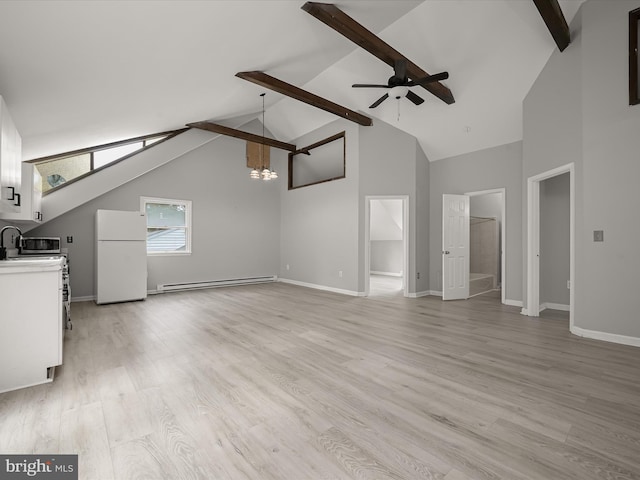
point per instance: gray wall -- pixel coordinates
(386, 256)
(554, 240)
(552, 123)
(488, 205)
(578, 111)
(606, 299)
(319, 223)
(386, 232)
(236, 220)
(498, 167)
(388, 166)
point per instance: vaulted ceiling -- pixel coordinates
(82, 73)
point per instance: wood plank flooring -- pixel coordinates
(281, 382)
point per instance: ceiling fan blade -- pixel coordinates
(342, 23)
(379, 101)
(400, 68)
(369, 85)
(428, 79)
(417, 99)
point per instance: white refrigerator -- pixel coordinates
(121, 256)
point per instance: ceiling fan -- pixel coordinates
(399, 84)
(342, 23)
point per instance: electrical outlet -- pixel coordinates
(569, 284)
(69, 239)
(340, 273)
(287, 266)
(418, 275)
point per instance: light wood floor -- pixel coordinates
(281, 382)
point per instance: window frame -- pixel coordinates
(188, 204)
(342, 136)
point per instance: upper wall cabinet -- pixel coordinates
(30, 198)
(10, 162)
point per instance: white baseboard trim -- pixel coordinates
(88, 298)
(554, 306)
(513, 303)
(419, 294)
(386, 274)
(607, 337)
(322, 287)
(435, 293)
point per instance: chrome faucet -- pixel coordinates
(3, 250)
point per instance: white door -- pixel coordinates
(455, 247)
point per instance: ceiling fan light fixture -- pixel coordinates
(398, 92)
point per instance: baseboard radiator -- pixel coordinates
(172, 287)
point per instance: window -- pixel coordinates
(168, 225)
(323, 161)
(64, 168)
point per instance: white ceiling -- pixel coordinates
(81, 73)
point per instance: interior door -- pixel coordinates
(455, 247)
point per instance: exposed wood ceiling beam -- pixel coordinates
(232, 132)
(342, 23)
(272, 83)
(556, 23)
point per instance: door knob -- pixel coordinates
(446, 252)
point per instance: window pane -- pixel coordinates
(57, 172)
(165, 215)
(166, 240)
(103, 157)
(151, 141)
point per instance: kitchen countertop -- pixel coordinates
(39, 263)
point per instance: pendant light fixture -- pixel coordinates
(264, 171)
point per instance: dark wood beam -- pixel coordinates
(342, 23)
(232, 132)
(556, 23)
(272, 83)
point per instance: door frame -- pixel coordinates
(503, 236)
(532, 308)
(367, 240)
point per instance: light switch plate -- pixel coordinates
(598, 235)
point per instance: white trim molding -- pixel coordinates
(533, 240)
(606, 337)
(513, 303)
(406, 231)
(426, 293)
(322, 287)
(387, 274)
(554, 306)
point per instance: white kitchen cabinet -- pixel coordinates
(30, 197)
(31, 322)
(10, 161)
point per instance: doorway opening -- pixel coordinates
(487, 242)
(469, 270)
(386, 245)
(538, 224)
